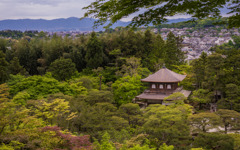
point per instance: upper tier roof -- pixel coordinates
(164, 75)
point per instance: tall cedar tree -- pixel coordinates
(94, 55)
(78, 57)
(27, 55)
(174, 55)
(3, 68)
(148, 48)
(199, 67)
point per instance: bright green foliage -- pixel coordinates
(144, 147)
(215, 141)
(94, 55)
(52, 110)
(6, 147)
(106, 144)
(36, 87)
(140, 139)
(156, 11)
(21, 98)
(126, 88)
(16, 144)
(166, 124)
(14, 79)
(88, 82)
(77, 88)
(229, 118)
(165, 147)
(12, 117)
(3, 68)
(202, 122)
(62, 69)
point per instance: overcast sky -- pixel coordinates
(46, 9)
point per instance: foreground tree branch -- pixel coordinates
(156, 11)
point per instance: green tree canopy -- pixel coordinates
(215, 141)
(229, 118)
(3, 68)
(166, 124)
(126, 88)
(156, 11)
(204, 121)
(94, 54)
(62, 69)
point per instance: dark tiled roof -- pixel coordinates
(160, 96)
(164, 75)
(152, 96)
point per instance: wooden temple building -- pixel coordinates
(161, 84)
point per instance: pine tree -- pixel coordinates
(148, 49)
(15, 68)
(3, 68)
(94, 55)
(174, 55)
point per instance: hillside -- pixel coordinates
(69, 24)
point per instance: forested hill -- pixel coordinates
(69, 24)
(61, 24)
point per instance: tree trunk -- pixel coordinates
(225, 127)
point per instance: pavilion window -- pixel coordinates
(161, 86)
(169, 86)
(153, 86)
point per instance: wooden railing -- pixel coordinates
(162, 91)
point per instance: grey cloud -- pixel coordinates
(45, 9)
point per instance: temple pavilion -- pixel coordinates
(161, 84)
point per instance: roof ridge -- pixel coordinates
(164, 75)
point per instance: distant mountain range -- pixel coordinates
(69, 24)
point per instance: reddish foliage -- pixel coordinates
(72, 142)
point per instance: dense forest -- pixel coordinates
(76, 93)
